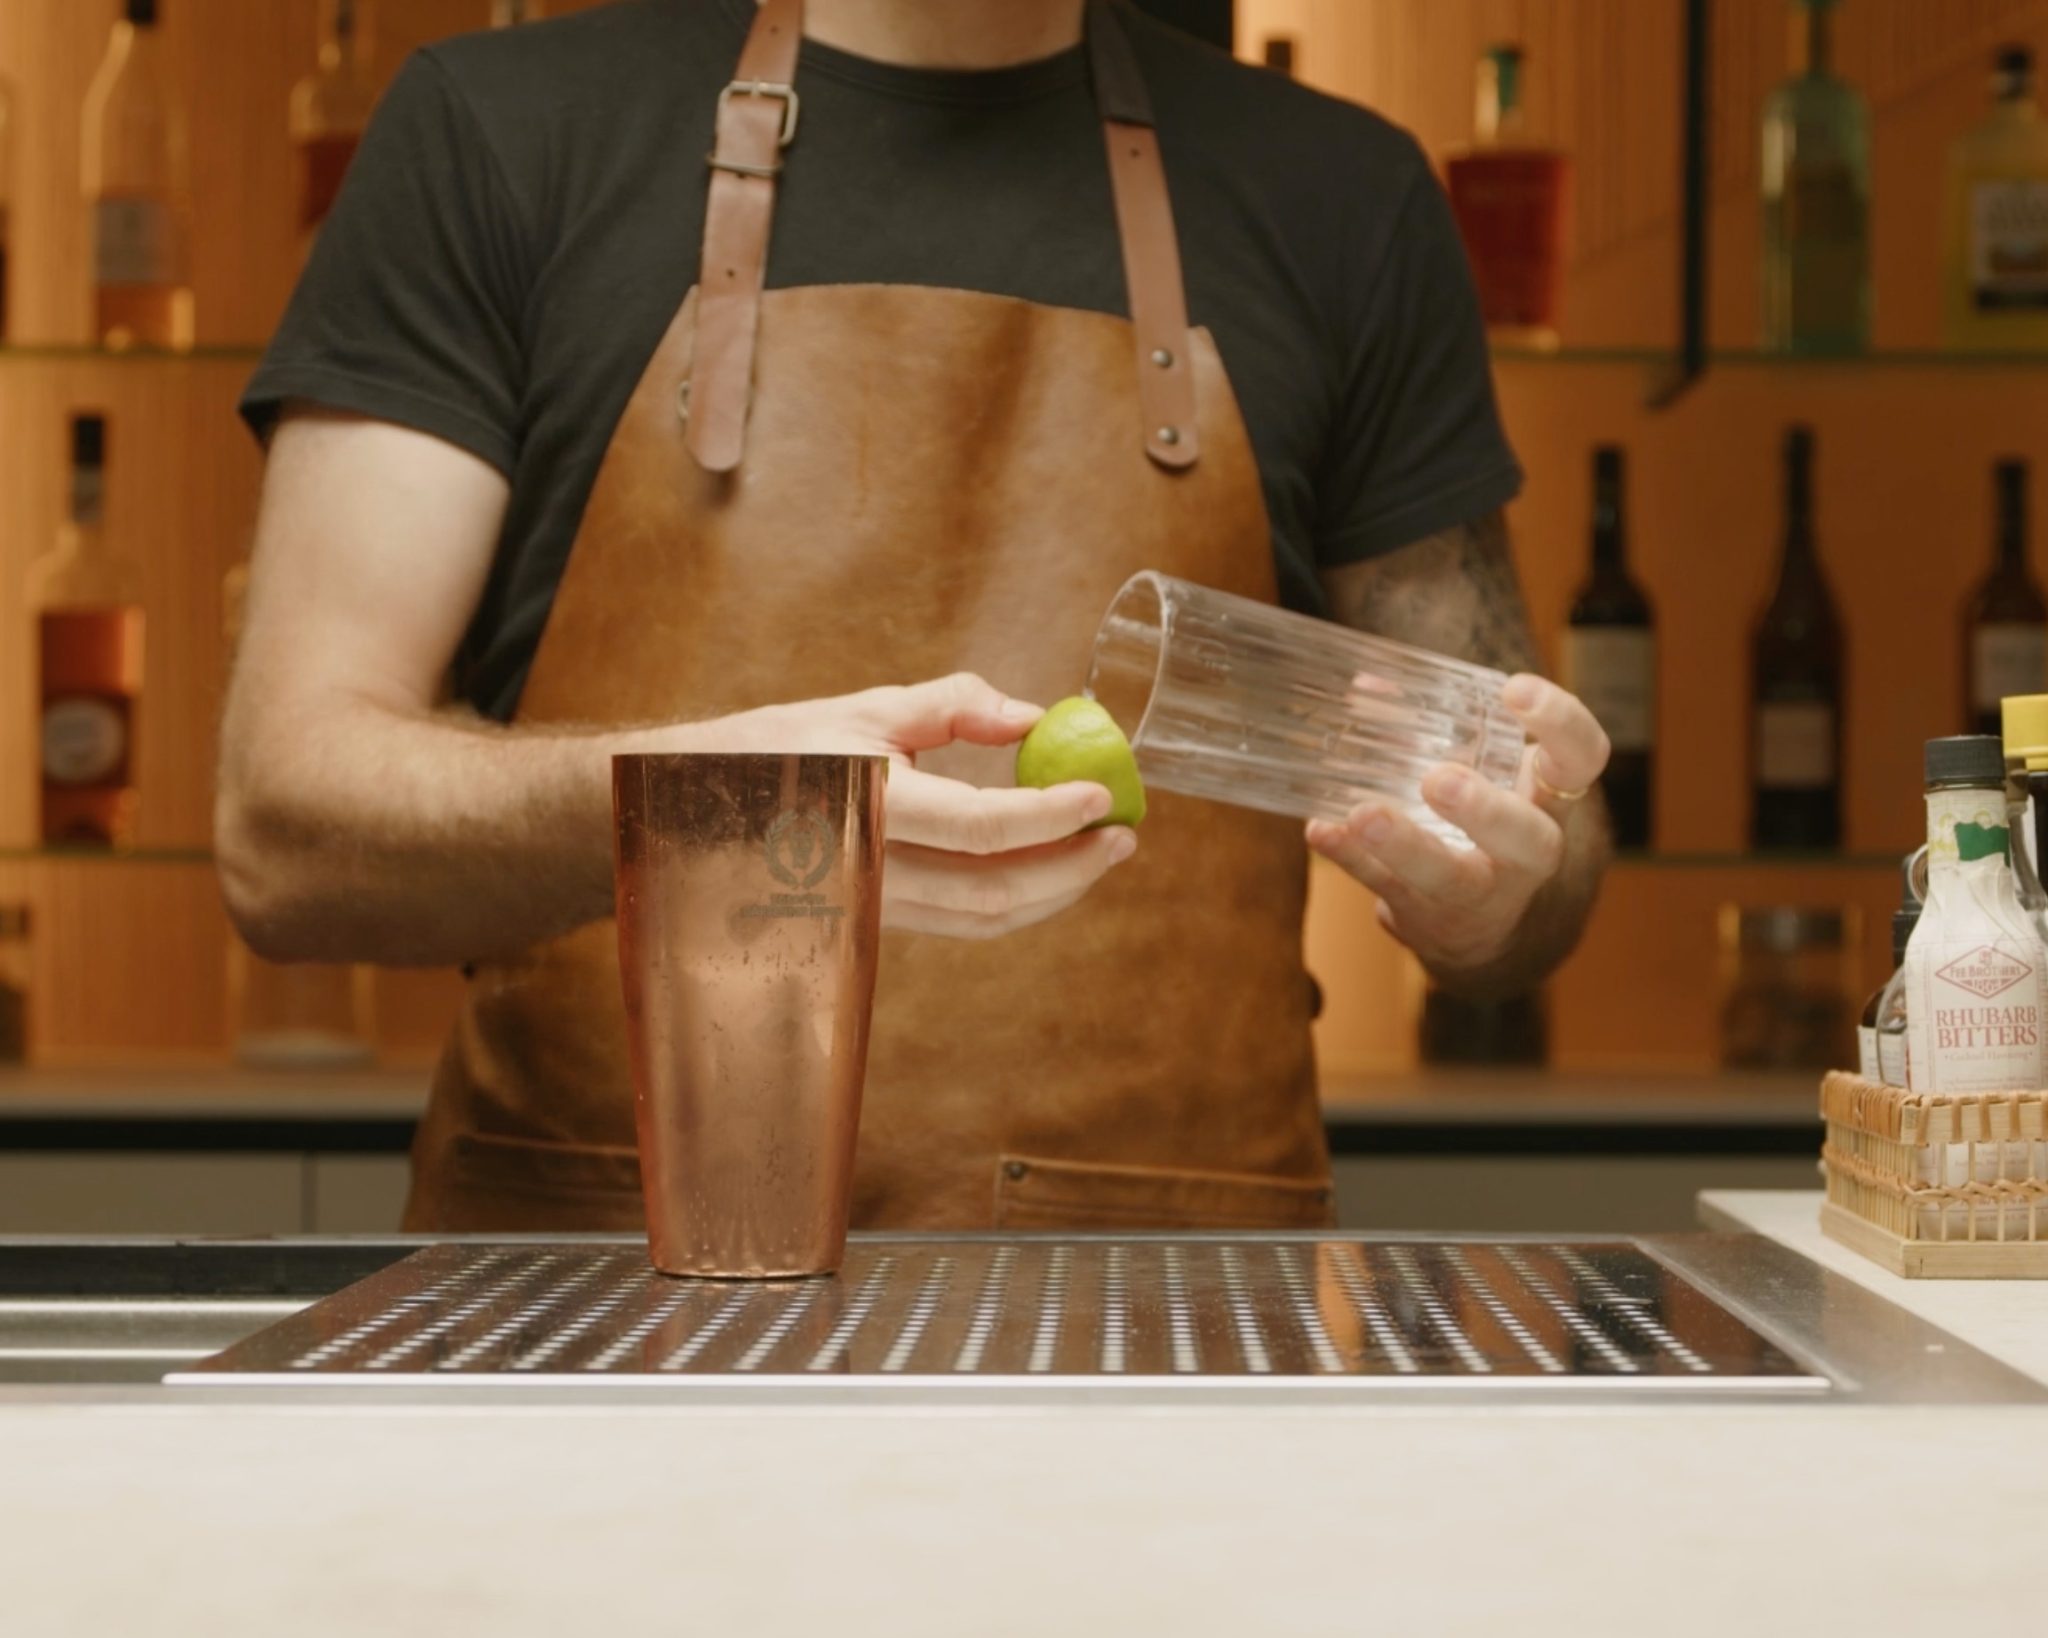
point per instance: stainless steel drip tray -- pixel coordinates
(1148, 1317)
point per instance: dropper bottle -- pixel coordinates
(1885, 1055)
(2025, 721)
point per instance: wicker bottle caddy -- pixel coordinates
(1938, 1185)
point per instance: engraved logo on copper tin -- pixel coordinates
(1985, 972)
(800, 848)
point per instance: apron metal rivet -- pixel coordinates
(1014, 1169)
(1169, 436)
(1162, 358)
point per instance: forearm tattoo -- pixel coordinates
(1455, 592)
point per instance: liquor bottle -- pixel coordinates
(2005, 620)
(1466, 1031)
(331, 108)
(1816, 187)
(1610, 658)
(1796, 667)
(1512, 200)
(2024, 728)
(511, 13)
(138, 183)
(1976, 972)
(1881, 1032)
(1996, 275)
(88, 606)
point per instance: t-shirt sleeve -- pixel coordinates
(1418, 445)
(408, 310)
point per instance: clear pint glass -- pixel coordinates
(1233, 700)
(749, 902)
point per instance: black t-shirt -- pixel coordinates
(526, 215)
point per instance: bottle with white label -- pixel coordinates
(2005, 619)
(87, 603)
(1976, 972)
(138, 191)
(1796, 692)
(1610, 658)
(1996, 275)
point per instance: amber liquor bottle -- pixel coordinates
(138, 184)
(1796, 698)
(87, 602)
(1610, 657)
(2005, 621)
(331, 108)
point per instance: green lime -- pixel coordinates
(1078, 740)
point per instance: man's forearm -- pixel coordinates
(369, 833)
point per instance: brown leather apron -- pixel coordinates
(820, 490)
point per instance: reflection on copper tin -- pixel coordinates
(749, 900)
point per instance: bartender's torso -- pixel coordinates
(527, 215)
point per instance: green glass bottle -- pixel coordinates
(1816, 190)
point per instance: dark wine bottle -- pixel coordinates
(1796, 670)
(2005, 621)
(1610, 658)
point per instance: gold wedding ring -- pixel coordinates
(1554, 793)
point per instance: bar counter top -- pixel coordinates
(138, 1509)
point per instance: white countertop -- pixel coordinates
(222, 1520)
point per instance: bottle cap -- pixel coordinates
(2015, 61)
(88, 440)
(1607, 463)
(142, 13)
(1966, 759)
(2025, 723)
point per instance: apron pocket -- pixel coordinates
(520, 1184)
(1065, 1194)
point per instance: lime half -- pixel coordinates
(1078, 740)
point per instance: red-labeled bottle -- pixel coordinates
(1512, 197)
(87, 604)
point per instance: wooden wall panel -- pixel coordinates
(1905, 452)
(132, 956)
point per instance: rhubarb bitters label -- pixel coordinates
(1976, 971)
(1983, 1021)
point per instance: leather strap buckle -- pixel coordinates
(791, 104)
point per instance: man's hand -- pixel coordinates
(963, 861)
(1461, 910)
(1499, 918)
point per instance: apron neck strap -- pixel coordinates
(757, 120)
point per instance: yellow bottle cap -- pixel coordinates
(2026, 728)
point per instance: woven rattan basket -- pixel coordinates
(1938, 1186)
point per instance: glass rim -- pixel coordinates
(1159, 584)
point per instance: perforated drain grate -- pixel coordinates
(1044, 1310)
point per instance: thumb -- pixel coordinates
(962, 706)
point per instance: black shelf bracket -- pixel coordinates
(1695, 194)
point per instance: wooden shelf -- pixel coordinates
(158, 358)
(107, 855)
(1663, 358)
